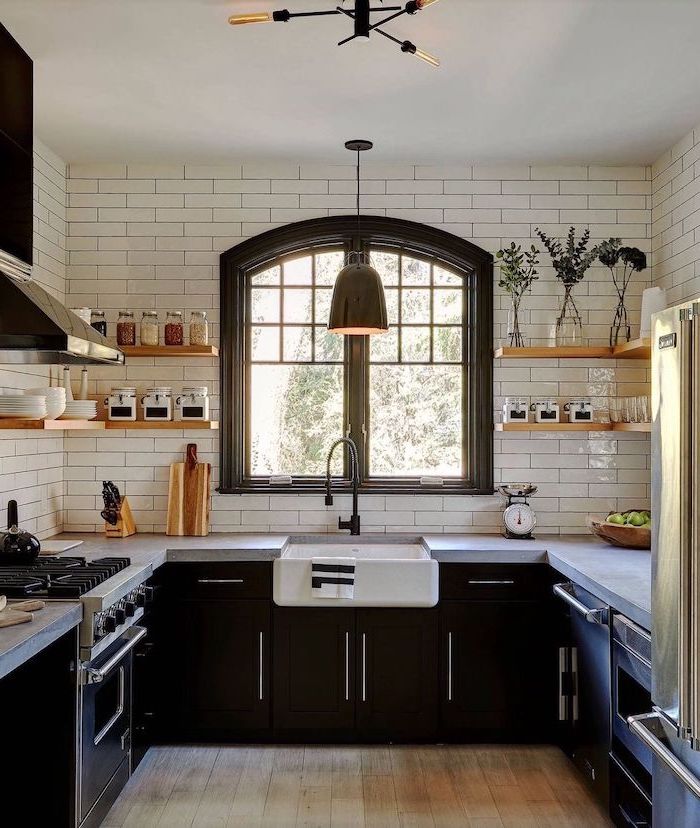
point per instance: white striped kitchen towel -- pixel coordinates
(333, 577)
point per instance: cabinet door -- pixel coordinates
(313, 672)
(499, 671)
(397, 674)
(224, 670)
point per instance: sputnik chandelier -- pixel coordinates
(362, 22)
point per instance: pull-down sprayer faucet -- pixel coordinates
(354, 523)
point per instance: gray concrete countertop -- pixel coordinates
(620, 577)
(23, 641)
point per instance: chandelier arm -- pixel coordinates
(387, 19)
(389, 37)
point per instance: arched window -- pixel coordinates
(417, 400)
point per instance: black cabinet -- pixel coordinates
(16, 149)
(218, 653)
(314, 673)
(397, 674)
(498, 677)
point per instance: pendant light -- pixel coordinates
(358, 307)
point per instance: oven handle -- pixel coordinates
(638, 726)
(94, 675)
(595, 615)
(117, 713)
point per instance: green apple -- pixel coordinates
(635, 519)
(616, 518)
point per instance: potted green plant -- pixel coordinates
(622, 262)
(518, 272)
(570, 261)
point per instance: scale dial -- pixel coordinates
(519, 520)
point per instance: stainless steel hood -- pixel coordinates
(35, 328)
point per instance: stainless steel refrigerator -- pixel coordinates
(672, 729)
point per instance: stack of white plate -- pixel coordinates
(79, 410)
(55, 400)
(22, 407)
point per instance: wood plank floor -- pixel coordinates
(477, 786)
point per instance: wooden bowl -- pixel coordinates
(629, 537)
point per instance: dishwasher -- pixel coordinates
(584, 686)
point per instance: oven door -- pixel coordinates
(105, 742)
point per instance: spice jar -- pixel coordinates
(149, 328)
(98, 321)
(126, 328)
(199, 328)
(173, 328)
(193, 404)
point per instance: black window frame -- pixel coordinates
(341, 232)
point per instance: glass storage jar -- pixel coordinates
(98, 321)
(126, 328)
(199, 328)
(174, 334)
(149, 328)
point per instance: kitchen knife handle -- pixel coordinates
(191, 456)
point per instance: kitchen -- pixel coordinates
(270, 628)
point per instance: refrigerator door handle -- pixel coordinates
(694, 661)
(642, 726)
(687, 349)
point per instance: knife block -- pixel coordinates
(125, 523)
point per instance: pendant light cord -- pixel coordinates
(358, 195)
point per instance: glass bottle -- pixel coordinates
(126, 328)
(199, 328)
(174, 333)
(149, 328)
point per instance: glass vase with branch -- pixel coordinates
(622, 262)
(518, 272)
(570, 261)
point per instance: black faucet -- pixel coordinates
(354, 523)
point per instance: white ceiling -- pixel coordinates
(611, 81)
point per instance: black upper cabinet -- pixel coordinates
(314, 672)
(16, 140)
(397, 674)
(16, 92)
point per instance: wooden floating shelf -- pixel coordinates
(170, 350)
(208, 425)
(641, 427)
(102, 425)
(635, 349)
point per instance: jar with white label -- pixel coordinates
(193, 403)
(121, 404)
(158, 404)
(516, 410)
(579, 411)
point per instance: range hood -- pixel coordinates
(35, 328)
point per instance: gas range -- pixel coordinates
(113, 593)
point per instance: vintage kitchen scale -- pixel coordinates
(518, 517)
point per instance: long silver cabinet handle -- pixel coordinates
(491, 582)
(638, 725)
(260, 672)
(595, 616)
(364, 667)
(94, 675)
(685, 657)
(219, 580)
(449, 666)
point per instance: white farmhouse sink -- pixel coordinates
(388, 572)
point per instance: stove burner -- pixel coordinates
(58, 577)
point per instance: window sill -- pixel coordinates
(363, 490)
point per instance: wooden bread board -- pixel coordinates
(189, 497)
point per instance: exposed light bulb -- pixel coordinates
(423, 4)
(412, 49)
(256, 17)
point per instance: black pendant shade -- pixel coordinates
(358, 307)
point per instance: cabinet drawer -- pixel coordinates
(221, 580)
(488, 582)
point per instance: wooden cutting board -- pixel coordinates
(188, 496)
